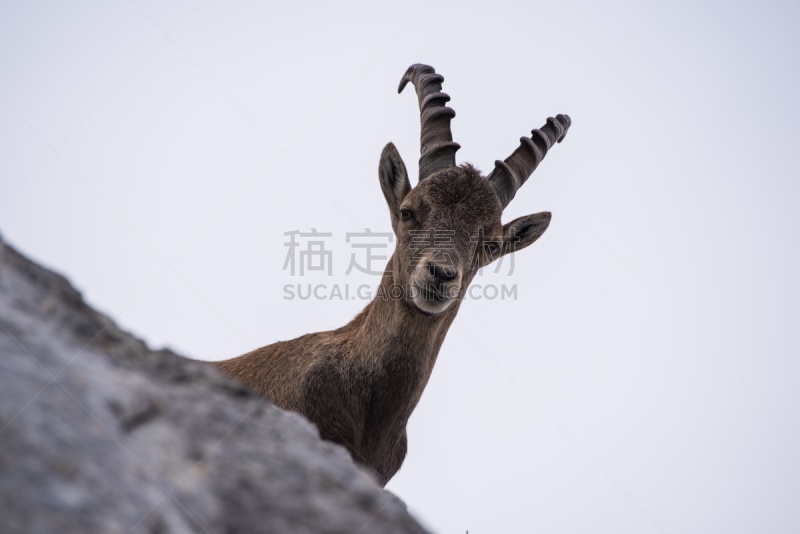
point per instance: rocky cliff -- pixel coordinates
(98, 433)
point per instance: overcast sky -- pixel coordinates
(645, 379)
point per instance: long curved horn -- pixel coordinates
(509, 175)
(437, 149)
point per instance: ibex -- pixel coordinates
(360, 383)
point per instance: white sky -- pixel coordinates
(646, 378)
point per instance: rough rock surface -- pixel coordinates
(100, 434)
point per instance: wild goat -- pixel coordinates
(360, 383)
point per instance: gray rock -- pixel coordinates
(100, 434)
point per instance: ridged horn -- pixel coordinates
(509, 175)
(437, 148)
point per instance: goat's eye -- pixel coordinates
(405, 214)
(492, 248)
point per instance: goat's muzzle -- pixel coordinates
(435, 286)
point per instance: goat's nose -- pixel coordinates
(443, 274)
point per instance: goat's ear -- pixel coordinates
(522, 232)
(394, 179)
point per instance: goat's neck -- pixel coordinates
(391, 329)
